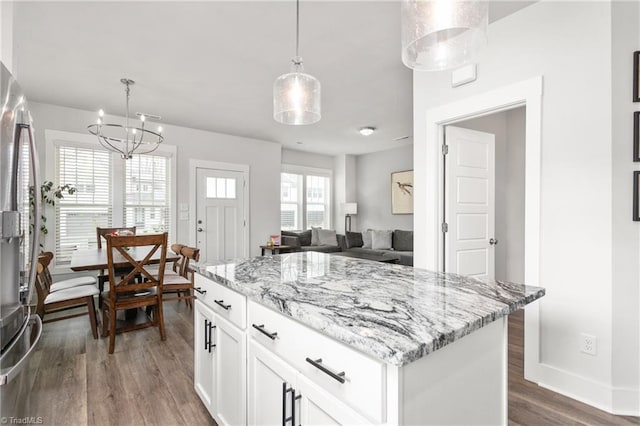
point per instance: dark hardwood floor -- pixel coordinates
(146, 381)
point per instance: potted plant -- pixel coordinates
(49, 194)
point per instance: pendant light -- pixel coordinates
(442, 34)
(296, 95)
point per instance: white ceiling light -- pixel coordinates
(442, 34)
(367, 131)
(125, 139)
(296, 95)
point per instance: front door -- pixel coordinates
(469, 203)
(220, 214)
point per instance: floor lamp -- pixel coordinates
(349, 209)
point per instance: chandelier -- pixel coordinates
(296, 95)
(442, 34)
(127, 139)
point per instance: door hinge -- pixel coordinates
(445, 149)
(244, 183)
(245, 222)
(445, 227)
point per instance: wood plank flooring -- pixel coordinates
(149, 382)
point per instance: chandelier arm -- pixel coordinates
(108, 145)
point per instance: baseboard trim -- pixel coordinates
(617, 401)
(626, 401)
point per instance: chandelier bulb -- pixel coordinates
(133, 131)
(142, 117)
(159, 129)
(101, 113)
(99, 121)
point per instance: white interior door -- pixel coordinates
(220, 214)
(469, 203)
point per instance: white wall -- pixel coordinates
(7, 55)
(573, 54)
(509, 130)
(263, 158)
(626, 234)
(307, 159)
(374, 188)
(344, 190)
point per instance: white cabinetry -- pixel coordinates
(220, 366)
(280, 395)
(204, 355)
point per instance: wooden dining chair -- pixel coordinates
(46, 257)
(63, 299)
(124, 291)
(172, 268)
(101, 234)
(181, 285)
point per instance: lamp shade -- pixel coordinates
(350, 208)
(442, 34)
(296, 97)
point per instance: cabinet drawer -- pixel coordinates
(364, 387)
(223, 301)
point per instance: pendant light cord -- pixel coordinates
(297, 28)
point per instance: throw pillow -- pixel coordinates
(402, 240)
(381, 240)
(353, 239)
(327, 237)
(315, 239)
(366, 239)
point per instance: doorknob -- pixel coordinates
(199, 222)
(493, 241)
(199, 229)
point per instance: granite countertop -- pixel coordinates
(393, 313)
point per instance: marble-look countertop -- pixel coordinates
(393, 313)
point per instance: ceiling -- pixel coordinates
(211, 65)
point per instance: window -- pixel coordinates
(305, 198)
(78, 215)
(221, 188)
(110, 192)
(147, 196)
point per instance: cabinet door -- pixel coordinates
(269, 401)
(231, 374)
(319, 407)
(204, 354)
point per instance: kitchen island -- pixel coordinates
(308, 338)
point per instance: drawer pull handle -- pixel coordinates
(261, 329)
(318, 364)
(200, 290)
(222, 305)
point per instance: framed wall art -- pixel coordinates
(636, 136)
(636, 196)
(402, 192)
(636, 76)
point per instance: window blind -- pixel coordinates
(78, 215)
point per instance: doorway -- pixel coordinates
(428, 165)
(484, 196)
(220, 201)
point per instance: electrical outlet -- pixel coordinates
(588, 344)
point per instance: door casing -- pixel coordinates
(203, 164)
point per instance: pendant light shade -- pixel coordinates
(296, 95)
(442, 34)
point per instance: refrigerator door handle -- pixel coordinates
(6, 377)
(37, 207)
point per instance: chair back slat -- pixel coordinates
(145, 247)
(101, 233)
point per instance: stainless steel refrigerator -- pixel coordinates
(19, 246)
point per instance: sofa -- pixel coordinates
(302, 241)
(398, 245)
